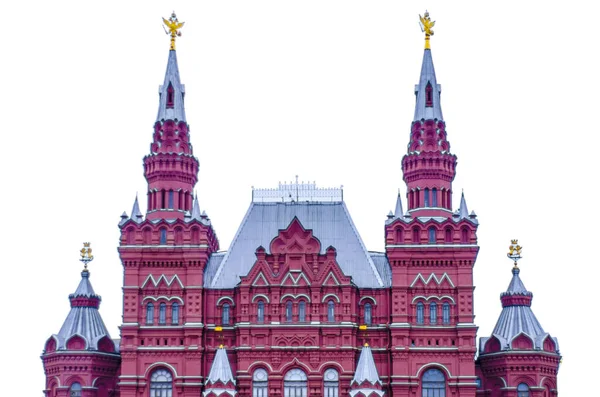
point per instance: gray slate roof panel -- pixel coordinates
(177, 112)
(428, 76)
(331, 224)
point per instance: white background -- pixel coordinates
(320, 89)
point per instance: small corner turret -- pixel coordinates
(83, 338)
(518, 339)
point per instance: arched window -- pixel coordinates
(150, 313)
(433, 383)
(225, 314)
(464, 237)
(434, 200)
(175, 313)
(448, 238)
(260, 383)
(75, 390)
(522, 390)
(431, 235)
(260, 316)
(295, 383)
(161, 384)
(163, 236)
(170, 98)
(162, 313)
(331, 383)
(330, 311)
(433, 313)
(302, 311)
(420, 315)
(416, 235)
(368, 316)
(288, 311)
(426, 197)
(428, 95)
(446, 313)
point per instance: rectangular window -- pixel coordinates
(171, 199)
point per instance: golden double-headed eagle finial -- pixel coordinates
(426, 27)
(86, 255)
(174, 25)
(514, 251)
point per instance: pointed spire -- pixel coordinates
(220, 379)
(136, 214)
(196, 214)
(463, 211)
(171, 93)
(365, 369)
(366, 379)
(428, 92)
(398, 212)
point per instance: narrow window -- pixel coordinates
(431, 234)
(434, 199)
(426, 197)
(446, 313)
(295, 383)
(302, 311)
(432, 313)
(162, 313)
(261, 312)
(163, 236)
(522, 390)
(161, 384)
(260, 381)
(434, 383)
(415, 235)
(331, 383)
(448, 237)
(428, 95)
(75, 390)
(465, 235)
(288, 311)
(225, 314)
(170, 97)
(368, 318)
(399, 237)
(420, 314)
(171, 199)
(150, 313)
(330, 311)
(175, 313)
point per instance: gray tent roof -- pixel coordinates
(516, 319)
(365, 369)
(220, 370)
(83, 321)
(331, 225)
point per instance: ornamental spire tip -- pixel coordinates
(514, 251)
(86, 256)
(174, 25)
(426, 27)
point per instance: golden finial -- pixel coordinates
(86, 255)
(514, 251)
(426, 25)
(366, 344)
(174, 25)
(221, 346)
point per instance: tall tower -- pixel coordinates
(163, 256)
(432, 252)
(519, 358)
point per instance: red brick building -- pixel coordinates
(298, 306)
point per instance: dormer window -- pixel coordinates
(429, 95)
(170, 96)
